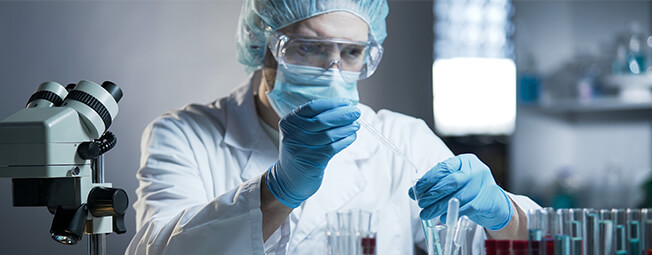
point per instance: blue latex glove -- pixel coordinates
(310, 136)
(466, 178)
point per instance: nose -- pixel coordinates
(335, 61)
(334, 56)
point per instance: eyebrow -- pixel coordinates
(300, 36)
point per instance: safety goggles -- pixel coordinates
(348, 56)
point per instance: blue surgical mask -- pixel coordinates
(306, 83)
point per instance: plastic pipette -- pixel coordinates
(388, 143)
(451, 221)
(384, 140)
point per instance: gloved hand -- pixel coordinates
(310, 136)
(466, 178)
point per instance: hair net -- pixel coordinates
(260, 18)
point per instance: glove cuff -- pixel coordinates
(272, 183)
(506, 218)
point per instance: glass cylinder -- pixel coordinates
(606, 232)
(634, 231)
(591, 231)
(646, 228)
(535, 231)
(620, 222)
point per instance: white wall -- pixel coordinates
(555, 32)
(163, 54)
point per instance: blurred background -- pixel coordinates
(553, 95)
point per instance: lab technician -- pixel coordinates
(255, 172)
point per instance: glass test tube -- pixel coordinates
(433, 242)
(451, 221)
(646, 227)
(464, 235)
(534, 231)
(332, 233)
(621, 240)
(606, 238)
(591, 232)
(562, 237)
(550, 230)
(576, 224)
(577, 242)
(564, 218)
(562, 245)
(605, 214)
(634, 231)
(366, 237)
(550, 224)
(620, 220)
(344, 243)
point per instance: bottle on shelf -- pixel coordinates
(636, 51)
(619, 65)
(529, 80)
(649, 54)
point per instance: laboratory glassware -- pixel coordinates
(350, 232)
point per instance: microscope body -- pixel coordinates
(49, 149)
(42, 143)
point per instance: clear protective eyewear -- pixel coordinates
(349, 56)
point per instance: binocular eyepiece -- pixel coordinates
(96, 104)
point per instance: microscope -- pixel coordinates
(52, 150)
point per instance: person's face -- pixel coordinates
(339, 24)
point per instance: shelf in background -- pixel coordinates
(634, 93)
(605, 104)
(628, 81)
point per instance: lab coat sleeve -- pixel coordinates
(176, 213)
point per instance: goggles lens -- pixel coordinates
(349, 56)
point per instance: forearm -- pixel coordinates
(516, 229)
(274, 212)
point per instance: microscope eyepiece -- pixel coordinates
(48, 94)
(97, 105)
(113, 89)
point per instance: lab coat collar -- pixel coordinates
(244, 132)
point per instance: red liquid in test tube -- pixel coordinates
(534, 247)
(550, 246)
(519, 247)
(368, 245)
(490, 247)
(497, 247)
(502, 247)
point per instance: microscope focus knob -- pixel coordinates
(103, 201)
(88, 150)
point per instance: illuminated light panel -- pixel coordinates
(474, 96)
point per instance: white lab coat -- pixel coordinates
(200, 170)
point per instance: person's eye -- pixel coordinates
(352, 52)
(309, 49)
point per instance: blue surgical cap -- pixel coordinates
(260, 18)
